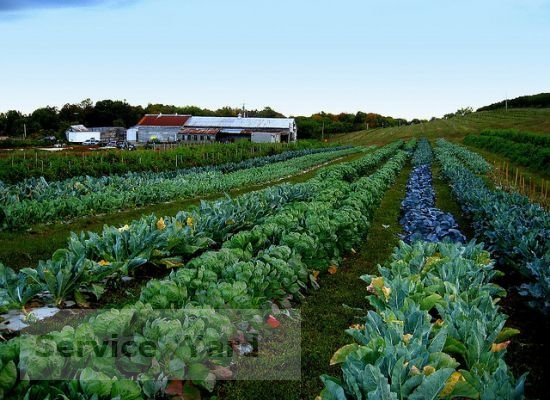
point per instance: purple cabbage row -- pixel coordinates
(420, 219)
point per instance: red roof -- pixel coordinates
(163, 120)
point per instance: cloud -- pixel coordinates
(11, 6)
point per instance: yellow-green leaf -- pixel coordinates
(342, 353)
(506, 334)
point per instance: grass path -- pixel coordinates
(444, 200)
(25, 249)
(324, 319)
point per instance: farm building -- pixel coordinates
(188, 129)
(158, 127)
(80, 133)
(225, 129)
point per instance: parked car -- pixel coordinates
(90, 142)
(125, 146)
(49, 139)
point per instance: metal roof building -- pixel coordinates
(242, 123)
(255, 129)
(174, 127)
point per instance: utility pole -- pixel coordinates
(323, 132)
(24, 131)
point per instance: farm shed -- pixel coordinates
(271, 130)
(80, 133)
(160, 127)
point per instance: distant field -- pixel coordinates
(532, 120)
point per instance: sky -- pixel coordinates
(409, 59)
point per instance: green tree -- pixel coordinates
(45, 119)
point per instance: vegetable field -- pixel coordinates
(435, 263)
(16, 166)
(39, 201)
(529, 150)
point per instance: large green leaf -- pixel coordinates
(197, 372)
(8, 375)
(506, 333)
(341, 354)
(126, 390)
(464, 389)
(454, 346)
(333, 389)
(93, 382)
(431, 385)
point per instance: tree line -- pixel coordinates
(53, 121)
(541, 100)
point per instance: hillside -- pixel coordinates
(525, 119)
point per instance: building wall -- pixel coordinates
(266, 137)
(197, 138)
(131, 135)
(79, 137)
(162, 133)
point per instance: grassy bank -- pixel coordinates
(455, 129)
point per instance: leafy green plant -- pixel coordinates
(529, 150)
(254, 272)
(515, 230)
(435, 331)
(16, 289)
(41, 202)
(53, 167)
(474, 161)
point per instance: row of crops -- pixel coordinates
(514, 230)
(526, 149)
(420, 218)
(92, 261)
(276, 253)
(41, 189)
(16, 166)
(434, 330)
(35, 202)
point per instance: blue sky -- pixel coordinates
(400, 58)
